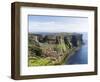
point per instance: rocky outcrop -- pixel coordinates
(56, 46)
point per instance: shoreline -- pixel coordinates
(68, 55)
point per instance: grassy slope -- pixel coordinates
(40, 61)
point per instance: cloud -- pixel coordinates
(59, 26)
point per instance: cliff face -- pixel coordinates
(54, 46)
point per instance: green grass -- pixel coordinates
(40, 61)
(37, 61)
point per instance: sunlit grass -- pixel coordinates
(37, 61)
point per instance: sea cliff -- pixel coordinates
(52, 48)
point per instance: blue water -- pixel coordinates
(81, 56)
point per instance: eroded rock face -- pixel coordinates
(53, 45)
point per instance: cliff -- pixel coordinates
(52, 48)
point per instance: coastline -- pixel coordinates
(68, 55)
(52, 49)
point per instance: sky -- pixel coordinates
(38, 23)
